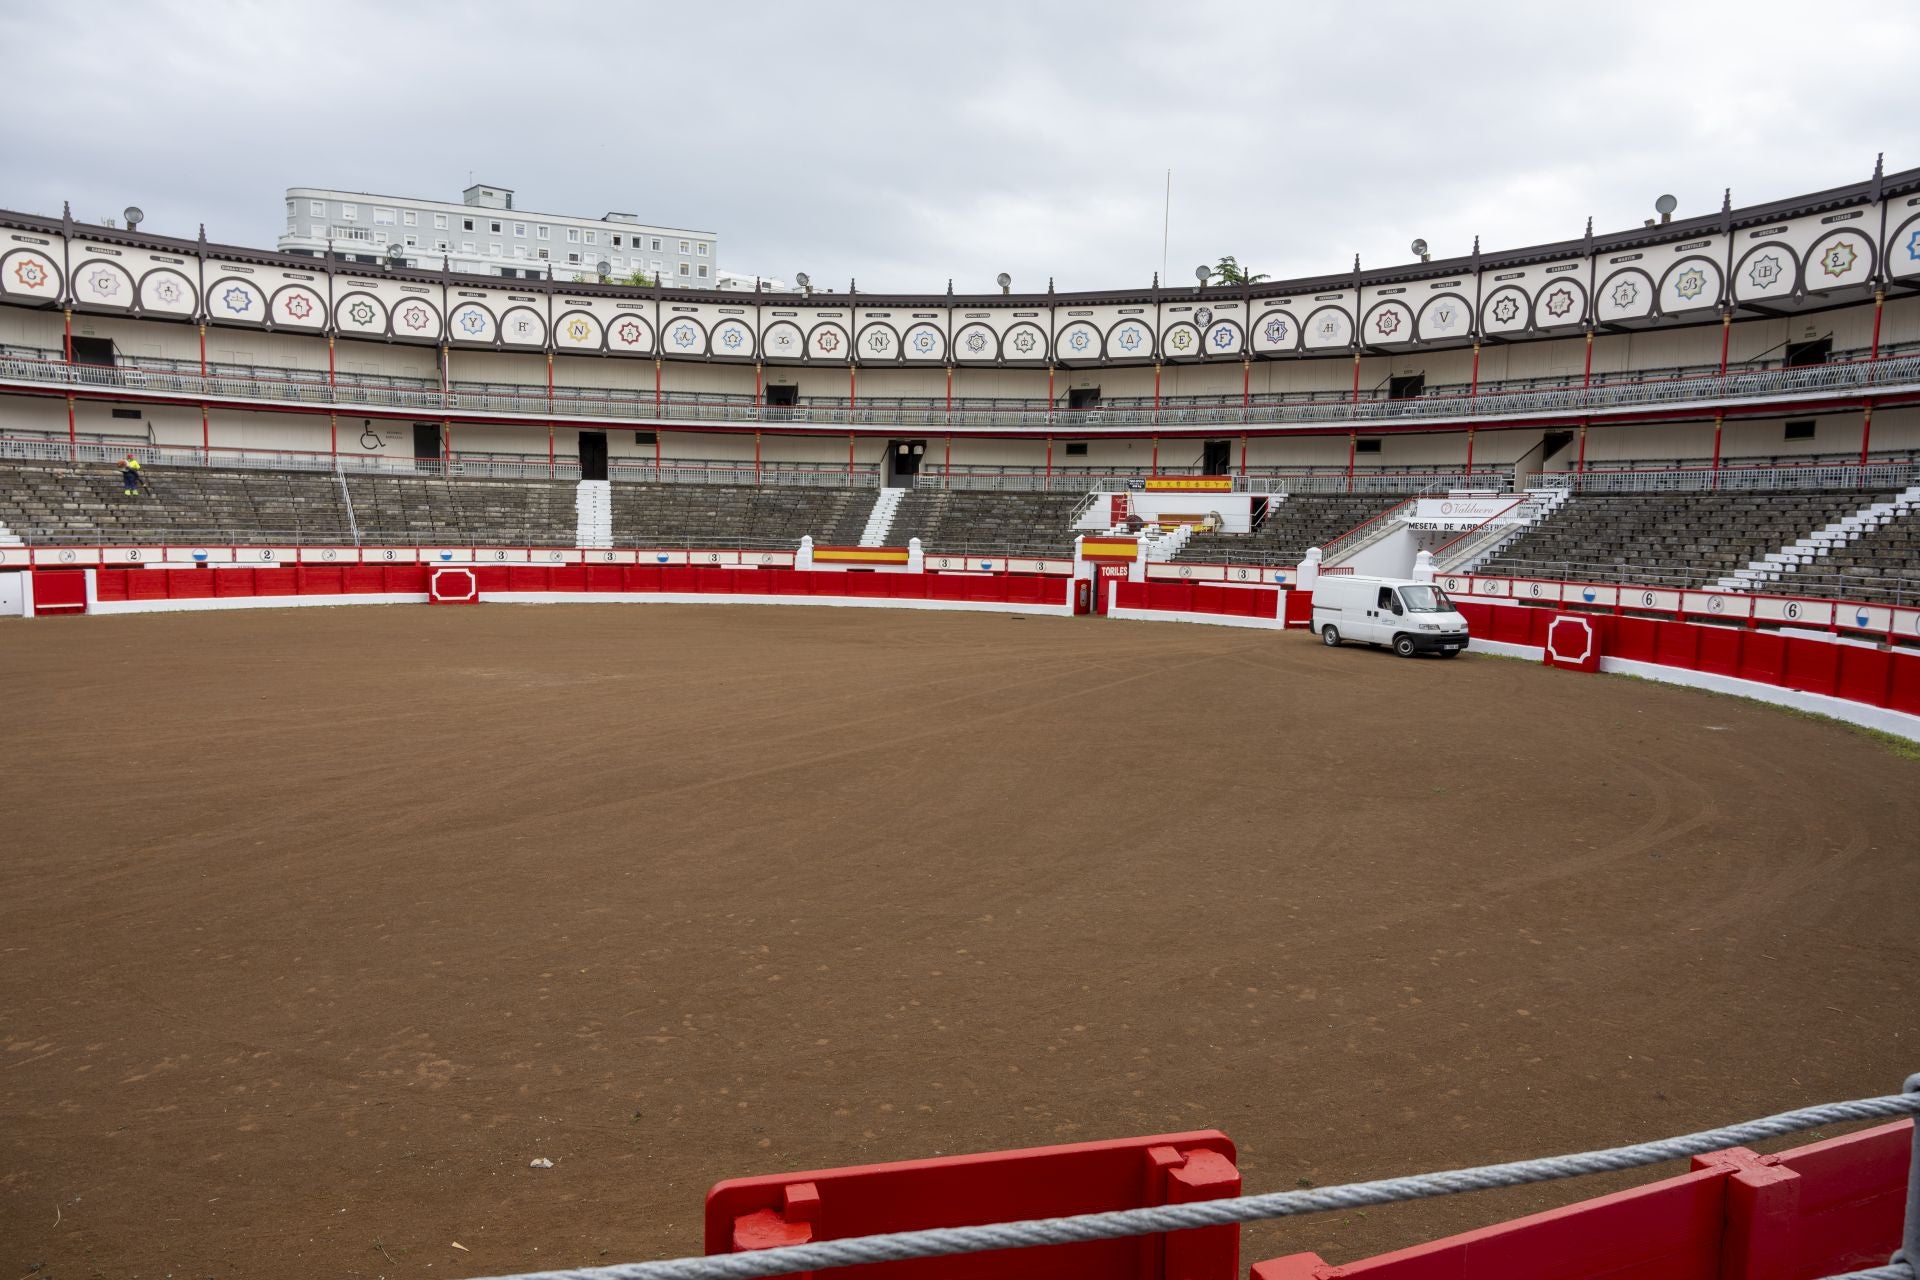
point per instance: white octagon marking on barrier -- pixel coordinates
(1553, 636)
(443, 575)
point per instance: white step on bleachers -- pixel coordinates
(880, 519)
(593, 513)
(1776, 565)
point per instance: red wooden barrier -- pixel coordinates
(1812, 1211)
(1003, 1186)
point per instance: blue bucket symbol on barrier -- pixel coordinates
(200, 556)
(1861, 617)
(446, 555)
(1589, 595)
(986, 564)
(661, 559)
(1279, 577)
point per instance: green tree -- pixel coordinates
(637, 278)
(1229, 271)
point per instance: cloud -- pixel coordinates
(906, 145)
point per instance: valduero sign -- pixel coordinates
(1460, 512)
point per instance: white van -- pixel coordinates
(1412, 617)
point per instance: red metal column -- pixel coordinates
(849, 457)
(1049, 476)
(550, 471)
(1243, 455)
(1049, 393)
(1726, 331)
(656, 389)
(756, 457)
(1246, 398)
(443, 368)
(331, 383)
(205, 431)
(333, 435)
(1586, 374)
(656, 453)
(1356, 376)
(946, 475)
(446, 441)
(549, 385)
(1353, 437)
(1469, 450)
(1718, 420)
(853, 390)
(1473, 387)
(949, 410)
(1866, 431)
(1156, 393)
(756, 385)
(1155, 464)
(1581, 463)
(73, 434)
(66, 343)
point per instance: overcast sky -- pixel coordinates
(906, 144)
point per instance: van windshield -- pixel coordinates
(1426, 600)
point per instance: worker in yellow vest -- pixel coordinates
(130, 476)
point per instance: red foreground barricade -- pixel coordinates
(1003, 1186)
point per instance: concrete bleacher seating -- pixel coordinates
(1673, 539)
(428, 510)
(952, 521)
(729, 515)
(1303, 520)
(82, 505)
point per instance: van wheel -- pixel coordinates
(1330, 636)
(1403, 645)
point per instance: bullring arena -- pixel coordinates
(466, 748)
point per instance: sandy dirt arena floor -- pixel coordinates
(316, 927)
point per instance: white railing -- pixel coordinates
(1851, 475)
(307, 387)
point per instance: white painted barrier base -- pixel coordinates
(1210, 619)
(701, 597)
(249, 602)
(1899, 723)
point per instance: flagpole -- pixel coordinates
(1166, 221)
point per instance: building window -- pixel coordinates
(409, 218)
(441, 245)
(466, 246)
(466, 224)
(520, 229)
(439, 222)
(493, 250)
(382, 217)
(703, 271)
(1802, 430)
(1367, 446)
(591, 237)
(657, 264)
(349, 212)
(290, 228)
(413, 242)
(703, 248)
(574, 258)
(544, 254)
(573, 235)
(683, 246)
(1076, 448)
(543, 233)
(616, 239)
(656, 247)
(379, 237)
(494, 227)
(686, 269)
(289, 208)
(519, 251)
(316, 208)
